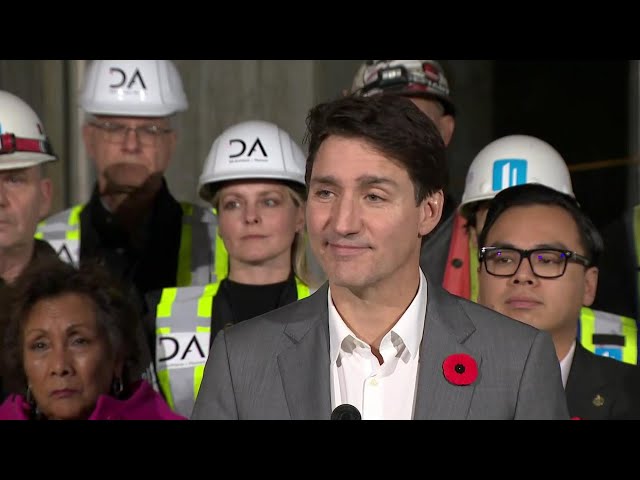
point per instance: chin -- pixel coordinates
(348, 280)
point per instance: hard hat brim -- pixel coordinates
(209, 186)
(23, 160)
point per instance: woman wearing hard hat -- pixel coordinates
(254, 178)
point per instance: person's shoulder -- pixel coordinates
(144, 403)
(198, 213)
(614, 368)
(274, 322)
(14, 407)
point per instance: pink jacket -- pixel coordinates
(144, 404)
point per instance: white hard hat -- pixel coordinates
(411, 78)
(514, 160)
(23, 142)
(252, 150)
(133, 88)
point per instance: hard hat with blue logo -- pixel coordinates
(513, 160)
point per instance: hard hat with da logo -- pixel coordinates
(252, 150)
(135, 88)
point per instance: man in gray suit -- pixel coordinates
(378, 335)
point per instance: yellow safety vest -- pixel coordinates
(183, 330)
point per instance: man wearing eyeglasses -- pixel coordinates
(132, 223)
(538, 264)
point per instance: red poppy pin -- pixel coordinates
(460, 369)
(576, 418)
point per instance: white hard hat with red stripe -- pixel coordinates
(23, 142)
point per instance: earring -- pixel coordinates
(117, 386)
(29, 396)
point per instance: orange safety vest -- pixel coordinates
(457, 278)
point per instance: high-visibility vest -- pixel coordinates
(183, 330)
(197, 258)
(602, 333)
(609, 335)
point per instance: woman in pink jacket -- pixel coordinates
(69, 346)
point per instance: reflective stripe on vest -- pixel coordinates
(183, 338)
(609, 335)
(196, 256)
(62, 232)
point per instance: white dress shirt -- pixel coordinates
(384, 391)
(565, 364)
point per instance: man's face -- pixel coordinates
(363, 223)
(435, 111)
(554, 304)
(125, 158)
(25, 199)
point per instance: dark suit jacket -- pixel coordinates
(601, 388)
(277, 366)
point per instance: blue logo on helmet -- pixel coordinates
(508, 173)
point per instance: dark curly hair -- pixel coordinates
(116, 314)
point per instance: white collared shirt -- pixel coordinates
(565, 364)
(384, 391)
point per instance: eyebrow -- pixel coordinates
(259, 194)
(539, 246)
(42, 331)
(364, 180)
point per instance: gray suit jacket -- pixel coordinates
(276, 366)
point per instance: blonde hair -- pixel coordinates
(299, 248)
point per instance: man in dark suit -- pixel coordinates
(379, 335)
(560, 276)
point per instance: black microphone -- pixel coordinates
(345, 412)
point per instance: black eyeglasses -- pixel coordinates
(545, 262)
(117, 132)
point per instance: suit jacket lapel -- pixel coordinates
(447, 326)
(304, 362)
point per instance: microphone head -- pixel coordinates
(345, 412)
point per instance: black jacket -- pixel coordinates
(147, 257)
(601, 388)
